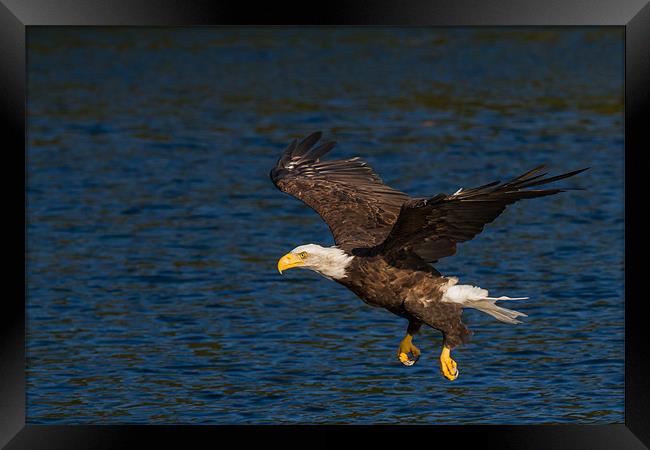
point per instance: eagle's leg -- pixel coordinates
(406, 346)
(448, 365)
(450, 339)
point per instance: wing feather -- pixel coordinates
(358, 207)
(432, 227)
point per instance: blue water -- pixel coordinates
(154, 230)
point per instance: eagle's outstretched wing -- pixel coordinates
(358, 207)
(431, 227)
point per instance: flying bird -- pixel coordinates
(386, 240)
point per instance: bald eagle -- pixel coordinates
(386, 240)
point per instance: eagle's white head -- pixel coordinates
(331, 262)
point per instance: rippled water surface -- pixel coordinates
(154, 231)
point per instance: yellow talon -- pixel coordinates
(404, 359)
(448, 365)
(406, 346)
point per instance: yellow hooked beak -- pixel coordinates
(289, 261)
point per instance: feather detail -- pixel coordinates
(350, 197)
(477, 298)
(432, 227)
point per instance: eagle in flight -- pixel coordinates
(386, 240)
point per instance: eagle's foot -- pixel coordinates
(406, 346)
(448, 365)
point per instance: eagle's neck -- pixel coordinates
(333, 263)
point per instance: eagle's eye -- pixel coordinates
(302, 255)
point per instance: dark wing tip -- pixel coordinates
(570, 174)
(315, 153)
(308, 143)
(576, 172)
(562, 176)
(305, 150)
(299, 153)
(526, 181)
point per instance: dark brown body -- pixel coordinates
(412, 292)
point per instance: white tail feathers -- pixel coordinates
(477, 298)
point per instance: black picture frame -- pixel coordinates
(17, 15)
